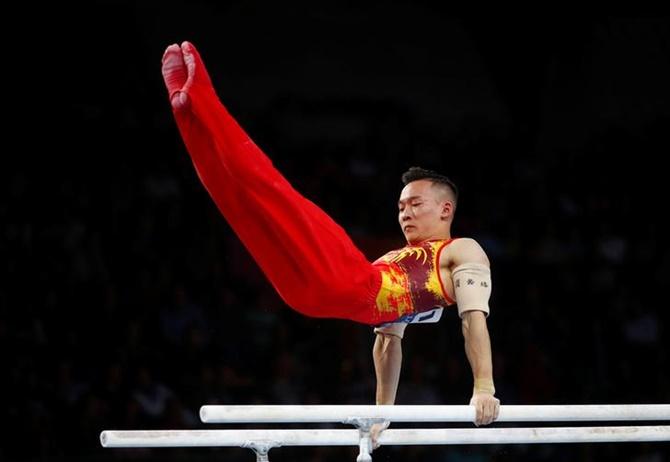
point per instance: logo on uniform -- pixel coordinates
(418, 253)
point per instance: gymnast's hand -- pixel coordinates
(487, 407)
(182, 69)
(376, 430)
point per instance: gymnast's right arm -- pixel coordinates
(387, 355)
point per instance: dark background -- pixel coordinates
(126, 302)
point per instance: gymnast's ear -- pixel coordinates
(448, 209)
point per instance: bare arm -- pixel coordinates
(387, 354)
(478, 351)
(478, 345)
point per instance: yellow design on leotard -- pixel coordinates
(410, 280)
(416, 252)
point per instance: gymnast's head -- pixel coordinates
(426, 206)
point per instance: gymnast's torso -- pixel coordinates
(415, 278)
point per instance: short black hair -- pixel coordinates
(418, 173)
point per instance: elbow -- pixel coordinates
(388, 341)
(470, 321)
(465, 325)
(387, 345)
(465, 328)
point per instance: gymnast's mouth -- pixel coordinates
(406, 227)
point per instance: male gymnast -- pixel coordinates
(311, 261)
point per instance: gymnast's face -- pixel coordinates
(424, 212)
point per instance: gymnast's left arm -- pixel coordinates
(478, 351)
(472, 285)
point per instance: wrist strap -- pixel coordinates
(484, 386)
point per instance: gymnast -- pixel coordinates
(312, 262)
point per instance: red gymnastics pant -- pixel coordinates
(309, 259)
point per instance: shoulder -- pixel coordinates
(467, 250)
